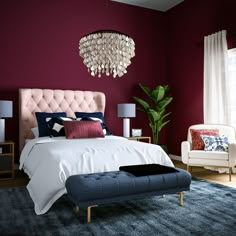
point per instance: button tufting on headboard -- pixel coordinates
(49, 100)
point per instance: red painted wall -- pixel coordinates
(187, 25)
(39, 49)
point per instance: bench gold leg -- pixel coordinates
(181, 198)
(89, 213)
(77, 210)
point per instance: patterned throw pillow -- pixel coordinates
(83, 129)
(216, 143)
(41, 120)
(94, 116)
(197, 142)
(56, 125)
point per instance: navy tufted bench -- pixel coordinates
(90, 190)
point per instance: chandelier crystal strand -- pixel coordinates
(107, 52)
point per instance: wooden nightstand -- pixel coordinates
(7, 159)
(140, 138)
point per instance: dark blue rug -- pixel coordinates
(209, 209)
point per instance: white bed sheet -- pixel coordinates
(50, 161)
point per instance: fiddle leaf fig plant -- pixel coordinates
(156, 108)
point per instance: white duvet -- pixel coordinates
(50, 161)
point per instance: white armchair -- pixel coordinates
(210, 158)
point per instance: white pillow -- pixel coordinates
(35, 132)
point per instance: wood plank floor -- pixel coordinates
(22, 179)
(209, 175)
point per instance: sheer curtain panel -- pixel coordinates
(216, 97)
(232, 84)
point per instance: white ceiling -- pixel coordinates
(160, 5)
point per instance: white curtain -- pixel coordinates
(216, 83)
(232, 84)
(216, 97)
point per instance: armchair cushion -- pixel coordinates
(202, 155)
(215, 143)
(197, 142)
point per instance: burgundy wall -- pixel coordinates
(188, 23)
(39, 49)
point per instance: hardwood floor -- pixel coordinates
(21, 179)
(209, 175)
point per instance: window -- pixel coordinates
(232, 83)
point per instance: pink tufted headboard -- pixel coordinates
(48, 100)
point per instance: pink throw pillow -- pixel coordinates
(83, 129)
(197, 142)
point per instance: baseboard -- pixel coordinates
(175, 157)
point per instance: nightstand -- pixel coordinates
(7, 159)
(140, 138)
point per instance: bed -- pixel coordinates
(49, 161)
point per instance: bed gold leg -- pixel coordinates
(181, 198)
(89, 213)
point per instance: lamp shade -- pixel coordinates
(126, 110)
(5, 109)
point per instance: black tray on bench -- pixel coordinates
(148, 169)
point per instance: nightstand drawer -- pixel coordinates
(6, 163)
(7, 159)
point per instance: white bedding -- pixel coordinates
(50, 161)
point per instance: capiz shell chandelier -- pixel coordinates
(107, 52)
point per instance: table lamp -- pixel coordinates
(126, 110)
(5, 111)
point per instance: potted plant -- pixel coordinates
(156, 109)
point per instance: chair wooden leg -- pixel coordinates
(230, 172)
(188, 168)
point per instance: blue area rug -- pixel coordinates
(209, 209)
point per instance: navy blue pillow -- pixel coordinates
(94, 116)
(42, 124)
